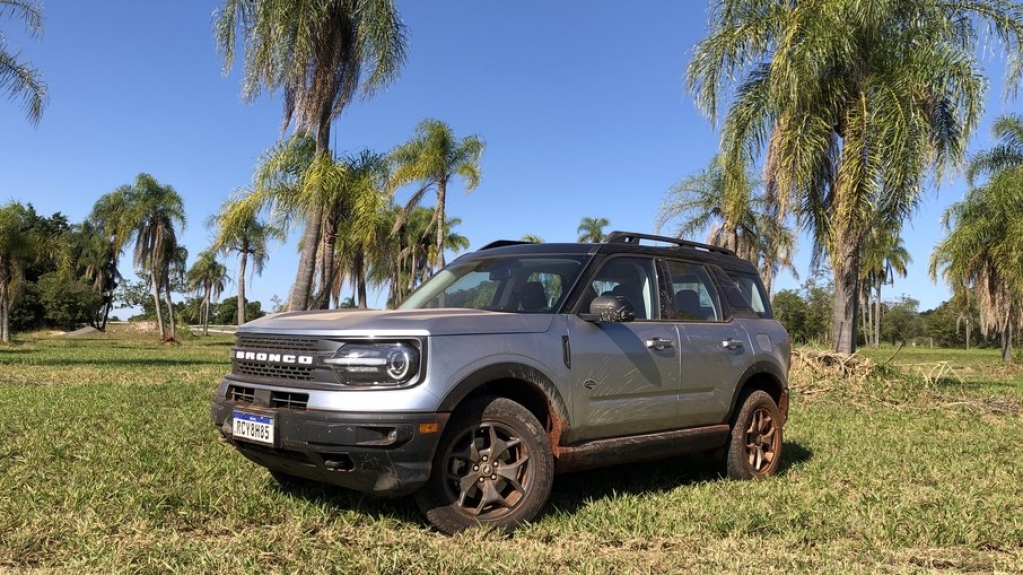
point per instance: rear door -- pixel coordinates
(714, 348)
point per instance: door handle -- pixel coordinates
(659, 343)
(731, 344)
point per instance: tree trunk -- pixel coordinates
(969, 326)
(5, 305)
(204, 312)
(327, 276)
(442, 191)
(360, 280)
(156, 303)
(170, 312)
(5, 324)
(302, 290)
(1007, 344)
(844, 307)
(877, 317)
(242, 264)
(866, 322)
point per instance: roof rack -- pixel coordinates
(503, 243)
(618, 237)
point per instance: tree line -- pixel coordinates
(806, 314)
(834, 118)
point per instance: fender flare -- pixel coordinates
(557, 409)
(770, 369)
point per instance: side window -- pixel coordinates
(632, 278)
(541, 291)
(752, 292)
(696, 298)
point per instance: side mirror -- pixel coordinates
(610, 309)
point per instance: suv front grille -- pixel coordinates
(276, 343)
(291, 372)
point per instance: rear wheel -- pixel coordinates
(493, 468)
(754, 449)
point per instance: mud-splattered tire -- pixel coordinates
(754, 449)
(493, 468)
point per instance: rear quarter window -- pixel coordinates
(753, 292)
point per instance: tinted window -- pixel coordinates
(696, 298)
(752, 292)
(632, 278)
(513, 284)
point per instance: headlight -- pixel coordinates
(384, 363)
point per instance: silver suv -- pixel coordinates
(516, 362)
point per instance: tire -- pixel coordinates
(754, 449)
(493, 468)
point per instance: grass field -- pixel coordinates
(108, 464)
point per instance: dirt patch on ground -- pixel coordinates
(83, 332)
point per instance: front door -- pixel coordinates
(625, 376)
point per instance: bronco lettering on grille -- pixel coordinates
(273, 357)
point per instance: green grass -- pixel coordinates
(108, 464)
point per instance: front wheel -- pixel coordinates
(754, 449)
(493, 468)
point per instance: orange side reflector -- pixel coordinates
(425, 428)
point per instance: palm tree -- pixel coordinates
(240, 231)
(405, 258)
(206, 278)
(531, 238)
(981, 257)
(884, 256)
(322, 54)
(433, 157)
(97, 264)
(1008, 153)
(352, 195)
(147, 214)
(591, 230)
(18, 247)
(20, 79)
(291, 182)
(112, 218)
(855, 101)
(174, 280)
(364, 221)
(756, 232)
(983, 252)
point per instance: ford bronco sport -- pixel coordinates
(515, 362)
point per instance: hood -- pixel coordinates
(422, 322)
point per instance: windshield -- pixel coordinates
(521, 284)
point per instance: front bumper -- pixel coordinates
(383, 454)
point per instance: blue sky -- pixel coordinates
(581, 105)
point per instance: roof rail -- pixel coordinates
(618, 237)
(503, 243)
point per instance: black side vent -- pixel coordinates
(241, 394)
(278, 399)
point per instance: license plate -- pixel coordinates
(252, 427)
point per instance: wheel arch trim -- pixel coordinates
(768, 377)
(536, 384)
